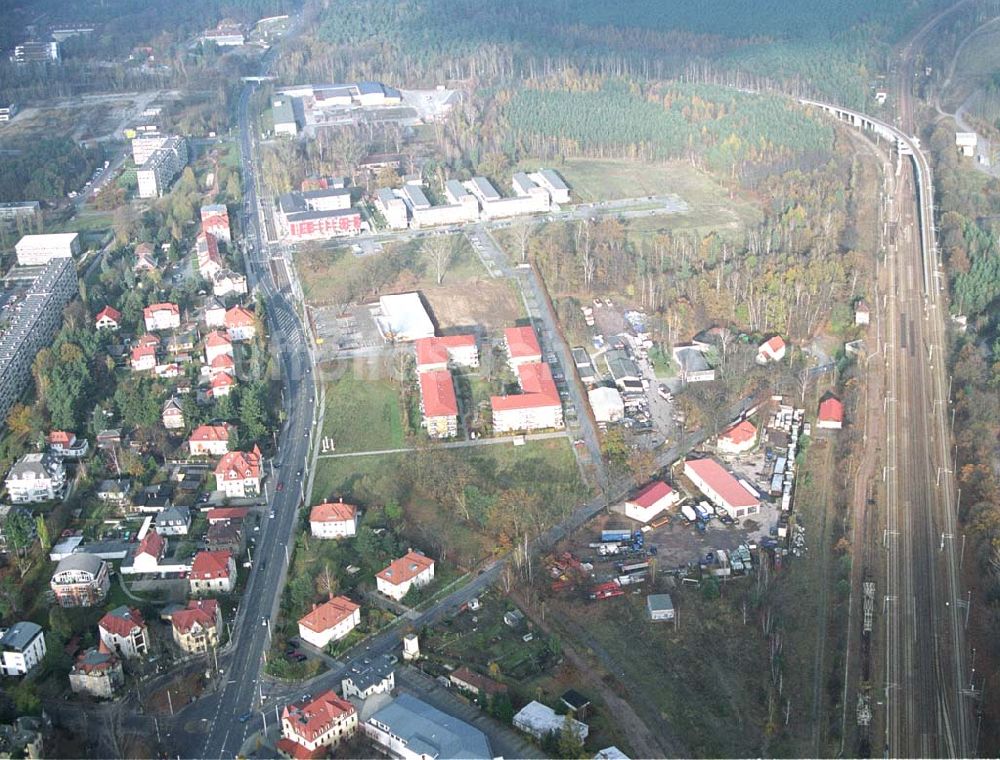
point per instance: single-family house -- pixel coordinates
(66, 445)
(368, 676)
(22, 647)
(217, 344)
(411, 571)
(197, 627)
(173, 414)
(124, 632)
(162, 316)
(97, 673)
(333, 520)
(240, 323)
(210, 440)
(238, 474)
(108, 318)
(215, 313)
(771, 350)
(173, 521)
(313, 728)
(149, 552)
(114, 491)
(80, 580)
(330, 621)
(541, 721)
(220, 385)
(213, 571)
(143, 358)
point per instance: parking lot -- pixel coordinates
(347, 330)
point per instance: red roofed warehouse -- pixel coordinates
(716, 482)
(438, 404)
(737, 439)
(451, 350)
(333, 520)
(650, 501)
(329, 621)
(831, 414)
(210, 440)
(108, 318)
(537, 408)
(237, 474)
(412, 571)
(311, 729)
(213, 571)
(522, 345)
(162, 316)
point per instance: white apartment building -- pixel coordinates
(22, 647)
(38, 250)
(36, 477)
(165, 163)
(333, 520)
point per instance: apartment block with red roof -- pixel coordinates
(197, 627)
(719, 485)
(522, 345)
(210, 440)
(438, 404)
(213, 572)
(330, 621)
(412, 571)
(124, 632)
(312, 729)
(238, 474)
(444, 352)
(650, 501)
(537, 407)
(333, 520)
(162, 316)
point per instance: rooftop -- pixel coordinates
(370, 671)
(405, 568)
(325, 616)
(522, 342)
(722, 482)
(430, 732)
(652, 493)
(437, 394)
(336, 511)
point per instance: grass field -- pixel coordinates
(421, 482)
(979, 60)
(363, 412)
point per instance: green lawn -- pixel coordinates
(363, 413)
(425, 484)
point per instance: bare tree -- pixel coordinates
(522, 229)
(440, 249)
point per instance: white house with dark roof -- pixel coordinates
(22, 647)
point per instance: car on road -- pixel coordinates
(271, 515)
(245, 716)
(298, 474)
(281, 486)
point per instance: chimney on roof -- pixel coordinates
(341, 499)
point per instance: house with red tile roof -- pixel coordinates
(831, 414)
(197, 627)
(215, 221)
(650, 501)
(162, 316)
(143, 358)
(238, 474)
(240, 323)
(222, 363)
(722, 488)
(96, 672)
(522, 345)
(738, 438)
(447, 351)
(66, 445)
(210, 440)
(312, 729)
(124, 632)
(221, 384)
(206, 249)
(771, 350)
(149, 552)
(218, 514)
(330, 621)
(412, 571)
(537, 407)
(333, 520)
(108, 318)
(217, 344)
(213, 571)
(438, 404)
(472, 683)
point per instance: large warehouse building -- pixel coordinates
(719, 485)
(403, 318)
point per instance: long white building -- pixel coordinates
(33, 327)
(38, 250)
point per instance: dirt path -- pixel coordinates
(644, 743)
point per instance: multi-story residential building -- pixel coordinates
(22, 647)
(18, 209)
(522, 346)
(238, 473)
(213, 572)
(35, 51)
(537, 407)
(438, 404)
(330, 621)
(206, 249)
(124, 632)
(36, 477)
(411, 571)
(300, 219)
(149, 552)
(65, 445)
(392, 208)
(221, 364)
(175, 520)
(143, 358)
(145, 145)
(80, 580)
(217, 344)
(368, 676)
(444, 352)
(210, 440)
(98, 673)
(240, 324)
(39, 250)
(162, 316)
(324, 722)
(215, 313)
(165, 163)
(215, 221)
(33, 327)
(333, 520)
(197, 627)
(228, 283)
(221, 384)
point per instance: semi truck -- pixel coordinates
(701, 512)
(616, 535)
